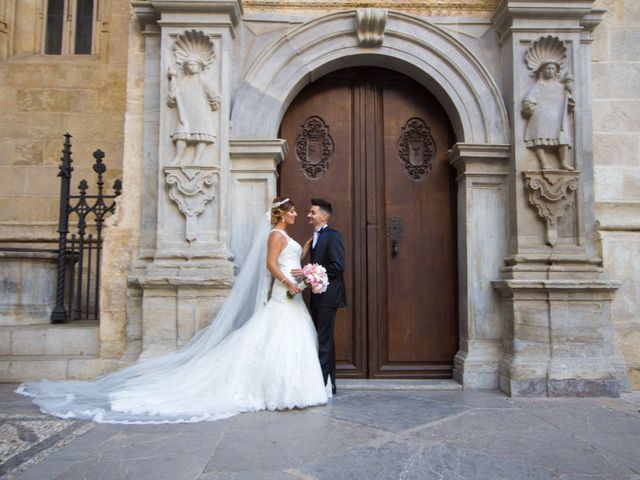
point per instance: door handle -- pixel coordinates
(395, 231)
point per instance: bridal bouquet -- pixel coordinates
(315, 276)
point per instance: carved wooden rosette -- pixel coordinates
(551, 192)
(416, 148)
(314, 147)
(191, 188)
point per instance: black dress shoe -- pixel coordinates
(333, 389)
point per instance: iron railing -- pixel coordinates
(80, 254)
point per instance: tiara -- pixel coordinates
(281, 202)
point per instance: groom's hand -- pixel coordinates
(297, 273)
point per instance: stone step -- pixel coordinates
(81, 338)
(396, 384)
(52, 367)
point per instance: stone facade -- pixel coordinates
(538, 316)
(616, 141)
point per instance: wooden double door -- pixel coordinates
(374, 143)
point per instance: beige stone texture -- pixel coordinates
(616, 149)
(112, 333)
(616, 80)
(45, 96)
(5, 341)
(616, 92)
(621, 253)
(122, 235)
(482, 8)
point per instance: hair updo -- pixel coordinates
(277, 213)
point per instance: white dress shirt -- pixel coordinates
(316, 234)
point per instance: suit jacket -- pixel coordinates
(329, 253)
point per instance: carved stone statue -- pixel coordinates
(549, 104)
(192, 97)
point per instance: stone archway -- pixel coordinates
(479, 118)
(411, 46)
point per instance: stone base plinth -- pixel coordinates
(558, 339)
(477, 366)
(179, 298)
(560, 388)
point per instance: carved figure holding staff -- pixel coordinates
(192, 97)
(549, 104)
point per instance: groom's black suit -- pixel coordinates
(328, 252)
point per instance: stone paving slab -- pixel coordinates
(365, 434)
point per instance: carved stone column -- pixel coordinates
(186, 265)
(557, 332)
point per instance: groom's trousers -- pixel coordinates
(324, 319)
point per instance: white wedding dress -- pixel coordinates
(268, 362)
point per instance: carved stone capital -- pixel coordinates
(551, 192)
(191, 188)
(370, 24)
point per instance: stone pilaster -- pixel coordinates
(186, 265)
(557, 332)
(482, 174)
(254, 164)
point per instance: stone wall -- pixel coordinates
(616, 101)
(44, 96)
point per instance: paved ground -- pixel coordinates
(361, 434)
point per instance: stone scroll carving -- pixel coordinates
(192, 97)
(416, 148)
(551, 192)
(370, 25)
(549, 104)
(314, 147)
(191, 188)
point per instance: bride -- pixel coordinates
(256, 354)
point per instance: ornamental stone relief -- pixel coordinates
(192, 97)
(191, 178)
(314, 147)
(191, 188)
(419, 7)
(370, 24)
(548, 108)
(549, 104)
(416, 148)
(551, 192)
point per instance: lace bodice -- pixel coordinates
(289, 259)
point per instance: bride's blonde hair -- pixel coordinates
(280, 206)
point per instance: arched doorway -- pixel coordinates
(374, 143)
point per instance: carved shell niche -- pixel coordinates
(545, 50)
(194, 45)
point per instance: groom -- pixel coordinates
(327, 250)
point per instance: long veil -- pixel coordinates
(94, 399)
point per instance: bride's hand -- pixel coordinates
(293, 288)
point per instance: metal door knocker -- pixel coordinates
(395, 231)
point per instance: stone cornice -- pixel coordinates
(547, 11)
(463, 155)
(150, 11)
(603, 286)
(275, 149)
(420, 7)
